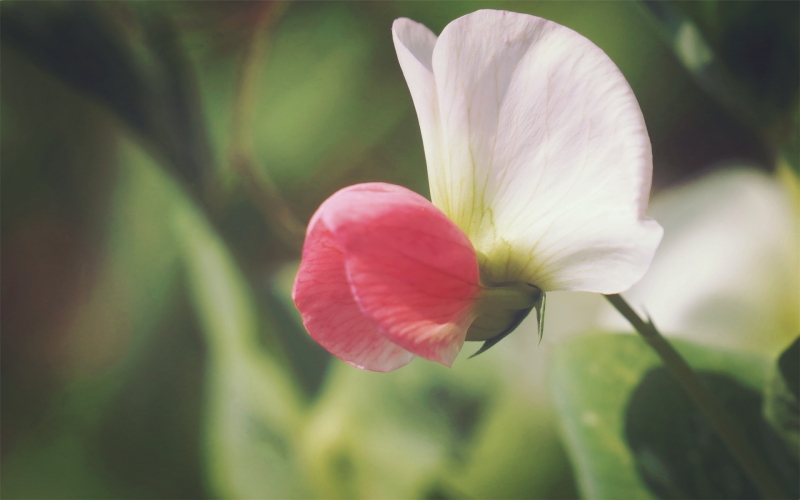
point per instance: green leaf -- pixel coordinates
(144, 252)
(742, 54)
(677, 451)
(593, 377)
(427, 431)
(782, 406)
(324, 101)
(388, 435)
(253, 412)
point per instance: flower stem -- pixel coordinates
(724, 425)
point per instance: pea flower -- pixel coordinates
(539, 166)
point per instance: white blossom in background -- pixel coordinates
(728, 271)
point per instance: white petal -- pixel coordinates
(727, 273)
(414, 44)
(543, 157)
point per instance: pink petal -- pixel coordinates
(329, 310)
(411, 269)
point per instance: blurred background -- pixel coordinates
(160, 161)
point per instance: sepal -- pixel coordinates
(505, 307)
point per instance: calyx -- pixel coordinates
(500, 309)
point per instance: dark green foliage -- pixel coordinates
(789, 367)
(150, 89)
(678, 453)
(746, 55)
(782, 405)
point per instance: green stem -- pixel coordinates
(726, 427)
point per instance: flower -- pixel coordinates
(728, 273)
(539, 165)
(379, 258)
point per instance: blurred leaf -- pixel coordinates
(790, 152)
(789, 368)
(757, 42)
(743, 54)
(693, 50)
(137, 286)
(58, 162)
(70, 472)
(321, 100)
(151, 426)
(309, 359)
(782, 406)
(132, 64)
(68, 455)
(515, 454)
(430, 432)
(678, 453)
(323, 105)
(593, 377)
(388, 435)
(253, 412)
(58, 149)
